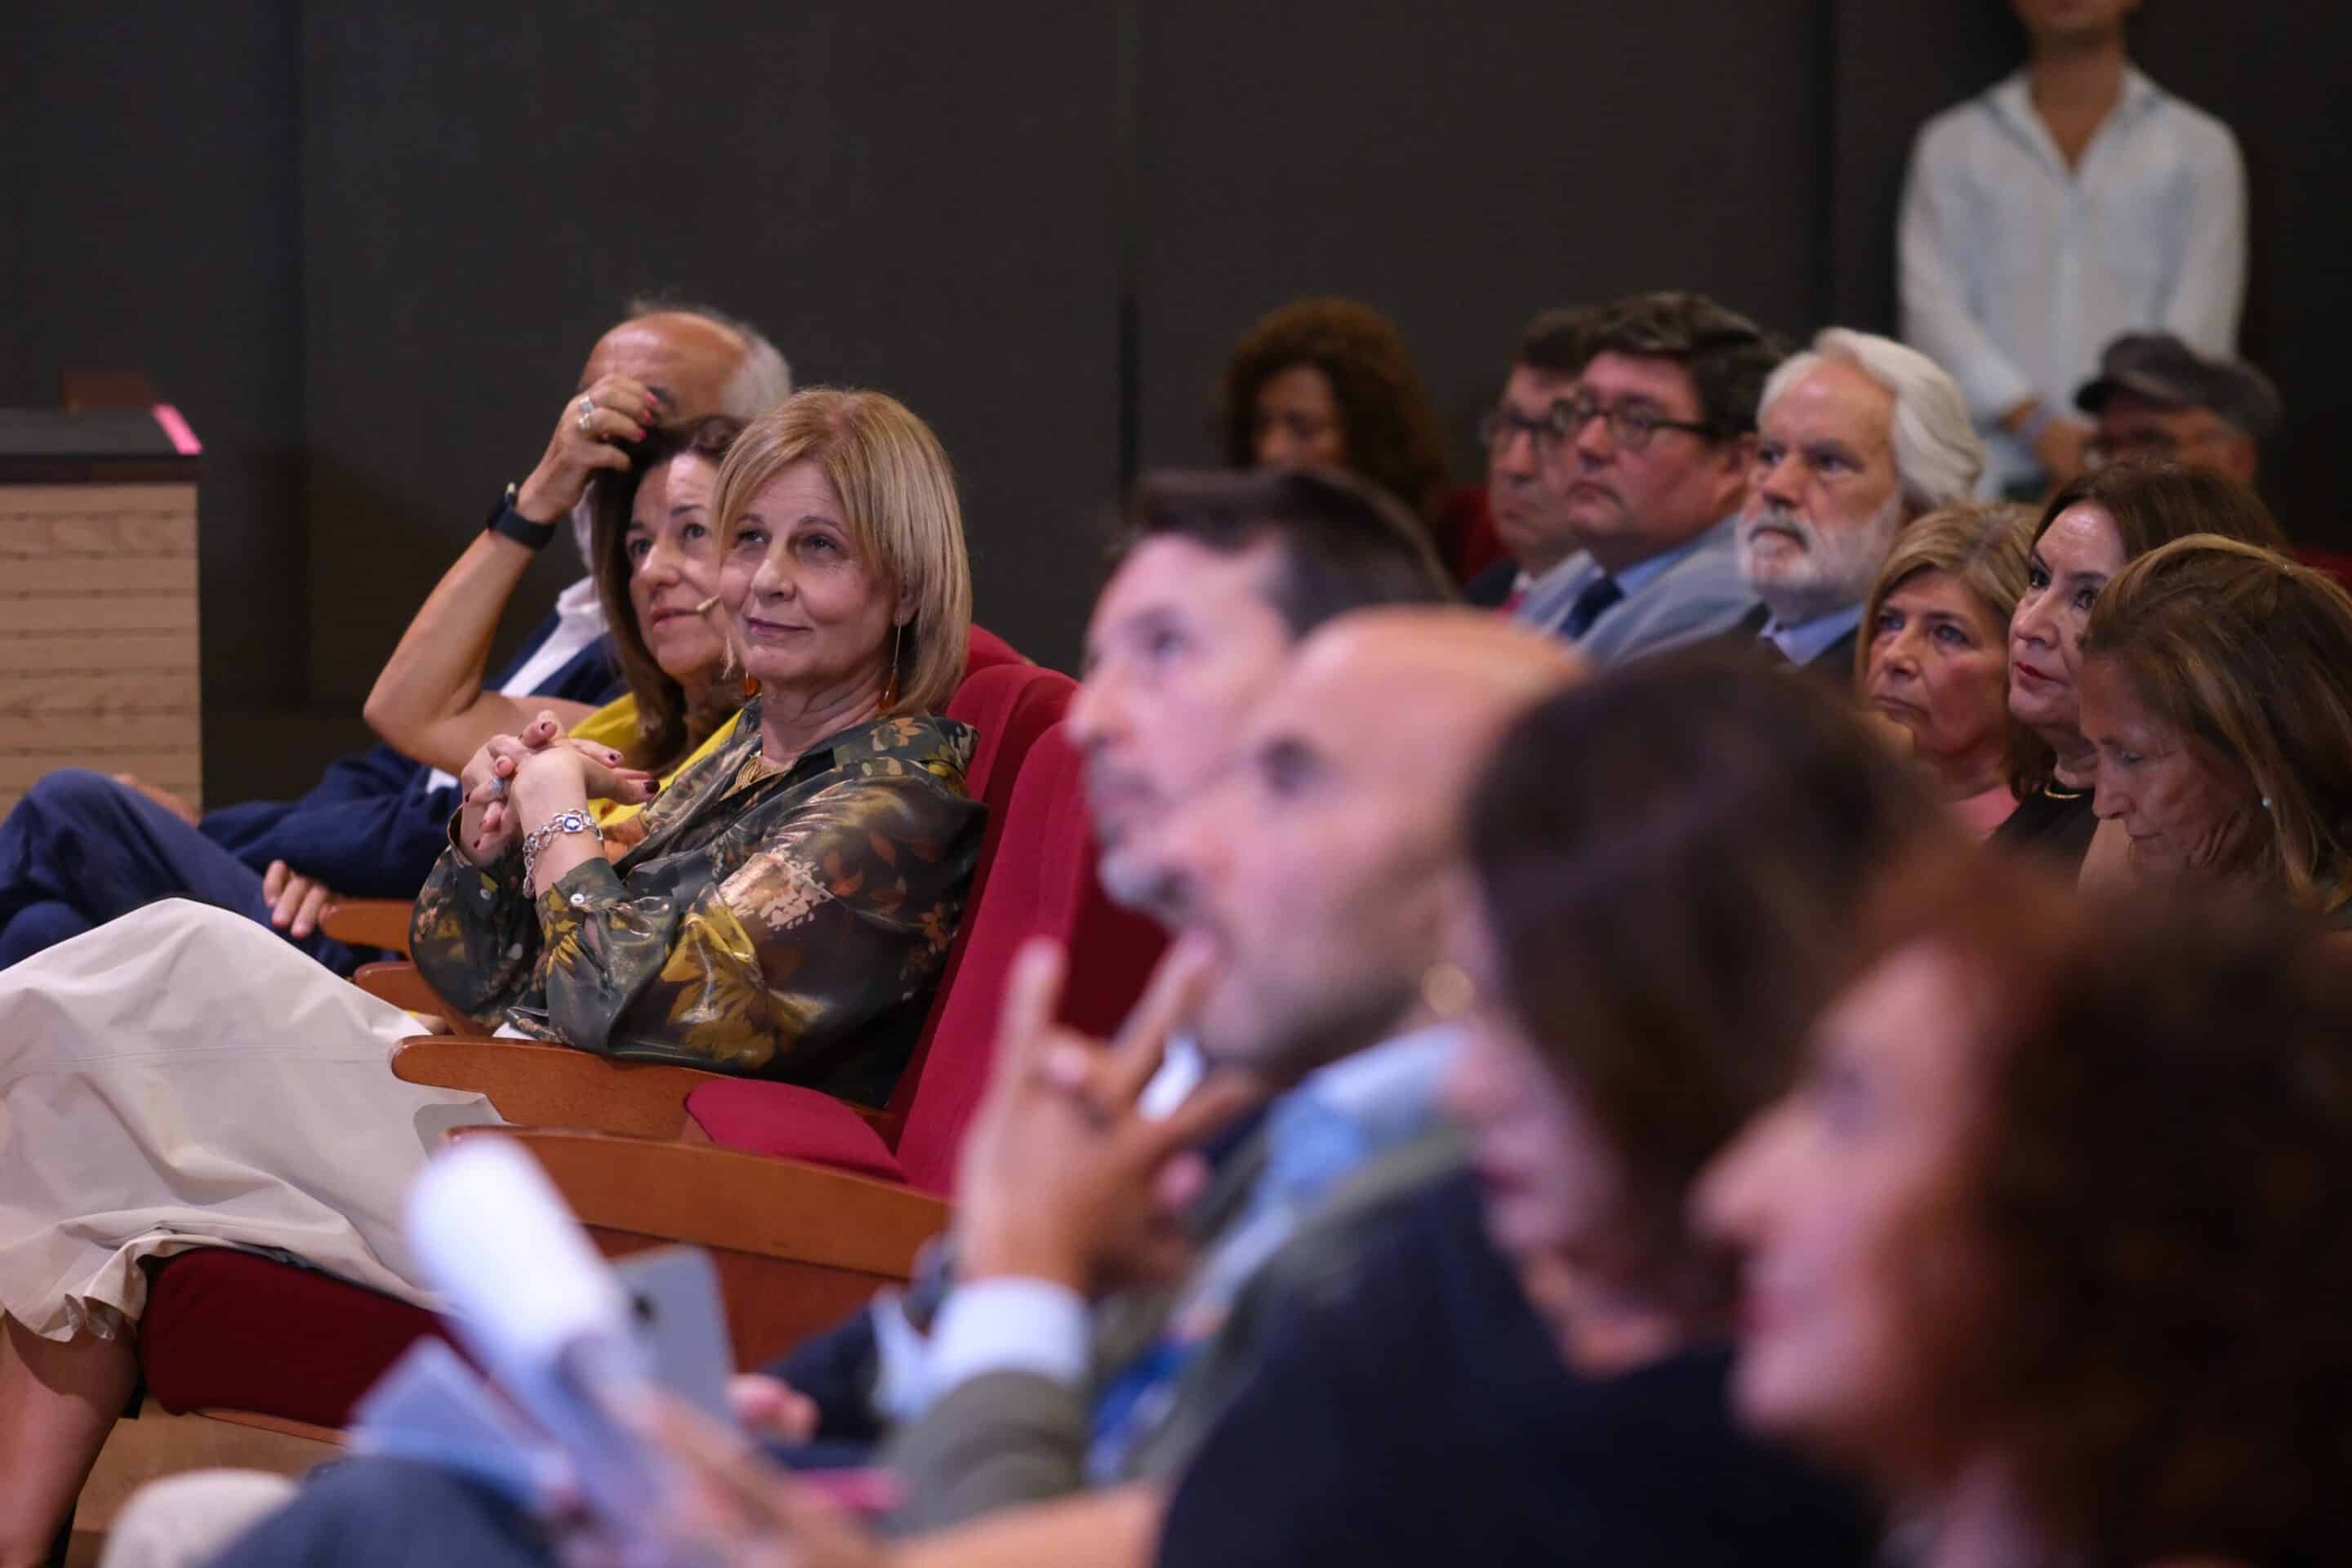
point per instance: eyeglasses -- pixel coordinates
(1500, 424)
(1630, 426)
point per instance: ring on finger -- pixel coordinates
(583, 423)
(587, 403)
(497, 789)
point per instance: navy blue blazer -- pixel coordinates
(372, 829)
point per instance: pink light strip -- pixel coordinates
(183, 439)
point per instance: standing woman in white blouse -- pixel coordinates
(2069, 204)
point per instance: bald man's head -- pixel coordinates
(1317, 864)
(686, 358)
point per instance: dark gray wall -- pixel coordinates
(1458, 167)
(914, 197)
(366, 248)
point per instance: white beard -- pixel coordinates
(1832, 572)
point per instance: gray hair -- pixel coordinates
(758, 383)
(1938, 453)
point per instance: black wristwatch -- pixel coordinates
(505, 519)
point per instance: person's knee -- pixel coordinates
(186, 1519)
(78, 795)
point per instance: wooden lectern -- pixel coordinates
(98, 597)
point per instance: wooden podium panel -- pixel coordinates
(99, 664)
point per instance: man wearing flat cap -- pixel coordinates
(2156, 398)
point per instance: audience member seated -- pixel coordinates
(1855, 437)
(82, 848)
(1217, 575)
(653, 550)
(1649, 461)
(2156, 398)
(653, 545)
(1330, 382)
(1079, 1347)
(1529, 514)
(2217, 687)
(2089, 530)
(1555, 1370)
(2070, 203)
(1936, 661)
(179, 1077)
(429, 700)
(2049, 1241)
(1558, 1377)
(1308, 880)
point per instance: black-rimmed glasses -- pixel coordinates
(1630, 425)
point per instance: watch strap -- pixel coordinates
(505, 519)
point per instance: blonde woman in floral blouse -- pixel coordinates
(181, 1078)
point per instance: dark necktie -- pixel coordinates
(1596, 596)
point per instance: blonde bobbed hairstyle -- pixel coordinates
(2247, 657)
(899, 497)
(1985, 546)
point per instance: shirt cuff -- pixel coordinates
(902, 1357)
(1008, 1325)
(591, 882)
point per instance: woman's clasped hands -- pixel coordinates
(512, 775)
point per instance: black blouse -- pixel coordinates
(2052, 825)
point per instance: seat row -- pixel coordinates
(807, 1203)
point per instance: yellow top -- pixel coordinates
(615, 725)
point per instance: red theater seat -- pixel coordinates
(1043, 884)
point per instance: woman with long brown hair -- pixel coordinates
(2216, 688)
(2049, 1240)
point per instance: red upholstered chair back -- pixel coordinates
(1011, 705)
(1043, 884)
(983, 648)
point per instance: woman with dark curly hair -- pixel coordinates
(1330, 382)
(2050, 1239)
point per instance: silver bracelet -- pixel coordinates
(573, 820)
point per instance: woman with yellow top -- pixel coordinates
(653, 551)
(179, 1078)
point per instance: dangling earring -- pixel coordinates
(750, 686)
(891, 686)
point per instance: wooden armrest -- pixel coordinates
(536, 1085)
(797, 1247)
(369, 922)
(399, 983)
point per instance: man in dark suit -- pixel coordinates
(1530, 518)
(1856, 437)
(83, 848)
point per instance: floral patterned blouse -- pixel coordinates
(785, 923)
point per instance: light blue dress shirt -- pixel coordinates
(1337, 1121)
(1807, 640)
(2016, 271)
